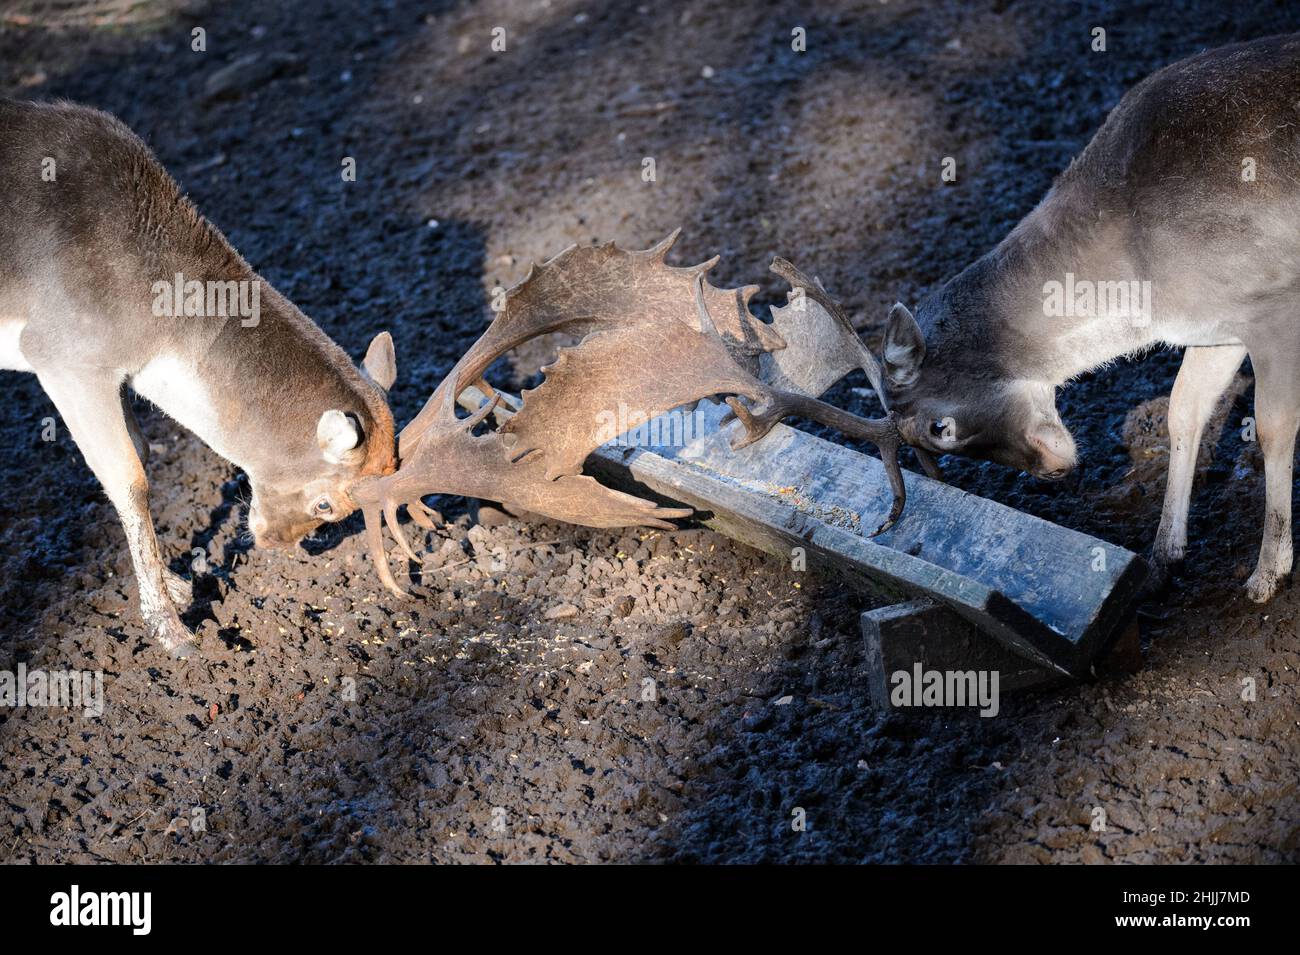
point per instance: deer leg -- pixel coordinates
(133, 426)
(1205, 373)
(92, 409)
(179, 589)
(1277, 415)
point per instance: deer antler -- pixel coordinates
(650, 343)
(882, 432)
(836, 349)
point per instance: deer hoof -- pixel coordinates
(185, 649)
(1261, 586)
(1157, 582)
(175, 638)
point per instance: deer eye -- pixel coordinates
(323, 507)
(944, 429)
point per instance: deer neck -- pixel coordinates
(254, 391)
(1060, 296)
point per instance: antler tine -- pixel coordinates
(882, 432)
(661, 249)
(420, 514)
(814, 290)
(378, 555)
(701, 309)
(384, 510)
(485, 409)
(699, 269)
(394, 528)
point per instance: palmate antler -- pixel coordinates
(654, 337)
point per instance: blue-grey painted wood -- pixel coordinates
(925, 633)
(1050, 593)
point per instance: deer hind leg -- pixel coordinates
(1204, 375)
(91, 407)
(1277, 415)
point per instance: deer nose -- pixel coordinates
(262, 536)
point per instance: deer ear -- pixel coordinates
(904, 346)
(380, 363)
(337, 434)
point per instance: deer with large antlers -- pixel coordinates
(107, 278)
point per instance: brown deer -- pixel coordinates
(1179, 224)
(110, 278)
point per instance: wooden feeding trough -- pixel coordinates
(1050, 599)
(975, 584)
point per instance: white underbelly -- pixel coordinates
(175, 387)
(11, 356)
(1192, 337)
(1191, 331)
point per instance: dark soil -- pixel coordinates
(572, 695)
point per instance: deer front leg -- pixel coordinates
(179, 589)
(1277, 415)
(92, 409)
(1204, 375)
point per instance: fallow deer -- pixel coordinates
(99, 251)
(1179, 225)
(110, 278)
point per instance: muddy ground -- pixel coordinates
(502, 717)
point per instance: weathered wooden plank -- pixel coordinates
(1051, 594)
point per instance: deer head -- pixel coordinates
(339, 431)
(652, 337)
(953, 397)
